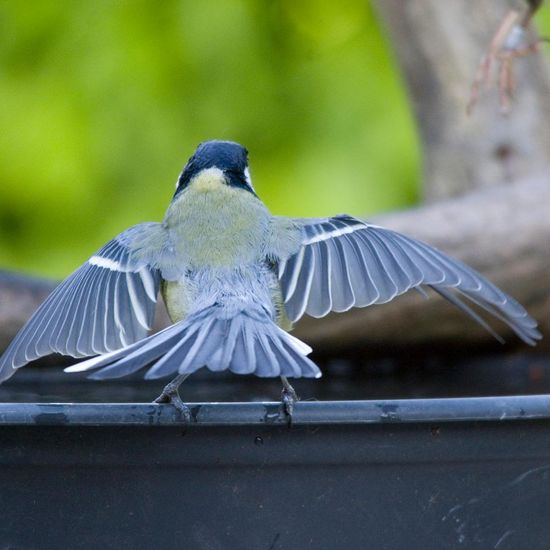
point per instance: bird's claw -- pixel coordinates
(289, 397)
(172, 397)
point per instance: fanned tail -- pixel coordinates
(244, 341)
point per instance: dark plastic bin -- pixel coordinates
(394, 474)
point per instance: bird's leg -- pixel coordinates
(288, 397)
(171, 395)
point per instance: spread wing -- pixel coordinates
(106, 304)
(344, 263)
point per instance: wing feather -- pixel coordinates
(343, 296)
(344, 263)
(105, 305)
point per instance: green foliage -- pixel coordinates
(102, 102)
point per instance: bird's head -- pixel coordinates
(216, 163)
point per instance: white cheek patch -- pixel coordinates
(248, 179)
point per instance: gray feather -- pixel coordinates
(344, 262)
(340, 281)
(456, 301)
(105, 305)
(132, 358)
(244, 341)
(361, 282)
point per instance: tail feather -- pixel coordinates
(188, 347)
(144, 355)
(244, 354)
(265, 357)
(234, 332)
(244, 343)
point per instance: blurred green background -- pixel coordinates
(102, 102)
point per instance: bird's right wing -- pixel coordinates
(105, 305)
(343, 262)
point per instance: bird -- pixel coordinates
(234, 279)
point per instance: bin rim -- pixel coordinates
(393, 411)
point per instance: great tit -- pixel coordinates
(234, 279)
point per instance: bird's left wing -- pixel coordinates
(343, 263)
(106, 304)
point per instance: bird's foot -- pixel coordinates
(172, 396)
(289, 397)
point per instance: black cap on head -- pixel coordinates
(228, 156)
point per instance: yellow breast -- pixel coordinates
(215, 224)
(176, 296)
